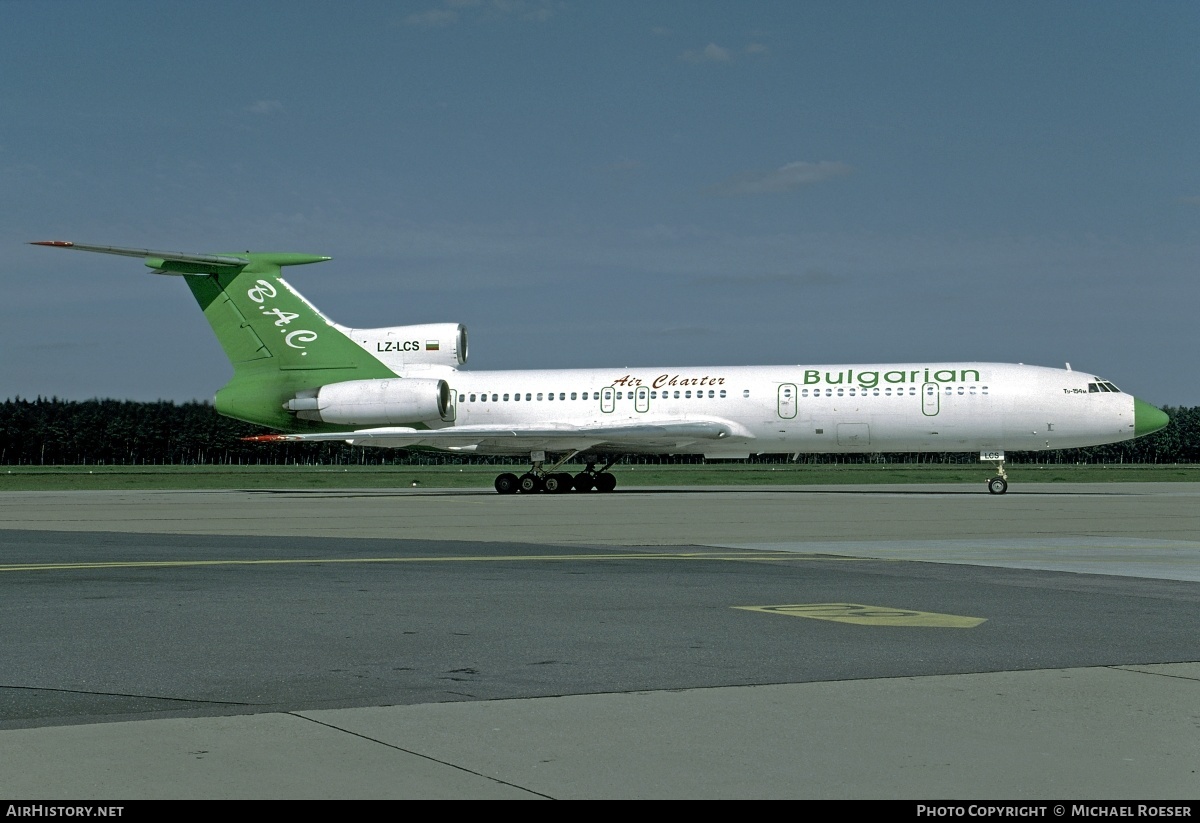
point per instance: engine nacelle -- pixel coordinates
(390, 402)
(431, 344)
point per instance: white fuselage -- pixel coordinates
(845, 408)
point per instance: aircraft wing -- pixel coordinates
(666, 435)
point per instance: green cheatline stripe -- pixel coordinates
(159, 564)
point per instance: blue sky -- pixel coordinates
(611, 184)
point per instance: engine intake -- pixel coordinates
(399, 401)
(402, 347)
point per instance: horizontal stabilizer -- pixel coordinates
(179, 262)
(183, 257)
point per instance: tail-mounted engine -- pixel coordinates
(402, 401)
(402, 347)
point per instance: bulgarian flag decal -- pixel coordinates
(432, 345)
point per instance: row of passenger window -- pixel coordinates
(688, 394)
(530, 397)
(677, 394)
(899, 391)
(496, 398)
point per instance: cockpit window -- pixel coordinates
(1102, 386)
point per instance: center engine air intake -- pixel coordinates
(400, 401)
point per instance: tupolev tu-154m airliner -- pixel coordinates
(296, 371)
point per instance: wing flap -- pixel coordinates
(664, 434)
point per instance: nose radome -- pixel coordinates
(1147, 418)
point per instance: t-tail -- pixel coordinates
(286, 354)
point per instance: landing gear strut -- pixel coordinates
(999, 483)
(538, 479)
(601, 481)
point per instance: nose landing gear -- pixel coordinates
(998, 484)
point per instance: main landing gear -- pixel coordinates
(538, 479)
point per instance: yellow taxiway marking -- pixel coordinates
(861, 615)
(494, 558)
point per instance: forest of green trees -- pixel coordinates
(122, 432)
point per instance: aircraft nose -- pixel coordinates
(1147, 418)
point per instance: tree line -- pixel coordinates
(124, 432)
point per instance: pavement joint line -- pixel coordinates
(419, 754)
(1139, 668)
(124, 694)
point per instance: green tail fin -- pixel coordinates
(277, 341)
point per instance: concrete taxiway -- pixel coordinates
(856, 642)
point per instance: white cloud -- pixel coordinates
(789, 177)
(538, 11)
(264, 107)
(683, 331)
(758, 49)
(712, 53)
(813, 276)
(432, 19)
(454, 11)
(624, 165)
